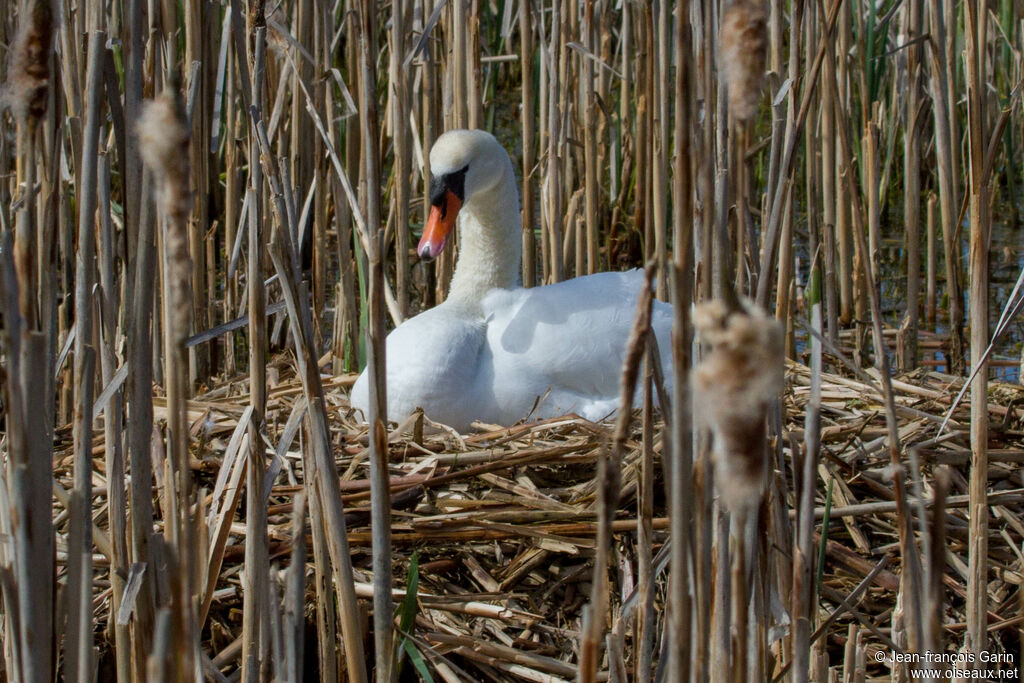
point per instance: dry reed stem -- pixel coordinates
(376, 360)
(906, 349)
(254, 645)
(680, 469)
(79, 647)
(975, 29)
(608, 483)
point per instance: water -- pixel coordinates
(1006, 261)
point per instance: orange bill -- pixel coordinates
(439, 224)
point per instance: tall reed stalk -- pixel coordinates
(254, 644)
(975, 36)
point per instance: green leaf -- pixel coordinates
(407, 614)
(417, 660)
(407, 610)
(814, 286)
(364, 303)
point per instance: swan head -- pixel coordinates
(464, 166)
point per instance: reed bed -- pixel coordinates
(207, 209)
(500, 525)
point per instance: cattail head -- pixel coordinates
(742, 42)
(277, 40)
(163, 145)
(733, 387)
(28, 73)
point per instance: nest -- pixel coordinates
(502, 522)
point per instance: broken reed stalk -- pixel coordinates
(704, 516)
(741, 562)
(842, 102)
(380, 498)
(608, 481)
(255, 586)
(78, 647)
(16, 623)
(975, 34)
(812, 150)
(233, 199)
(720, 645)
(459, 62)
(28, 617)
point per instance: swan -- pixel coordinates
(494, 351)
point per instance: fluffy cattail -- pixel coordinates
(277, 33)
(28, 73)
(163, 146)
(733, 388)
(742, 42)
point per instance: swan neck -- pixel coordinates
(490, 247)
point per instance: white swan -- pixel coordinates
(493, 349)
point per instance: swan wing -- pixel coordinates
(565, 341)
(433, 362)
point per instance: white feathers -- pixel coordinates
(493, 351)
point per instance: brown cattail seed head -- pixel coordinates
(742, 43)
(276, 23)
(29, 69)
(734, 386)
(163, 145)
